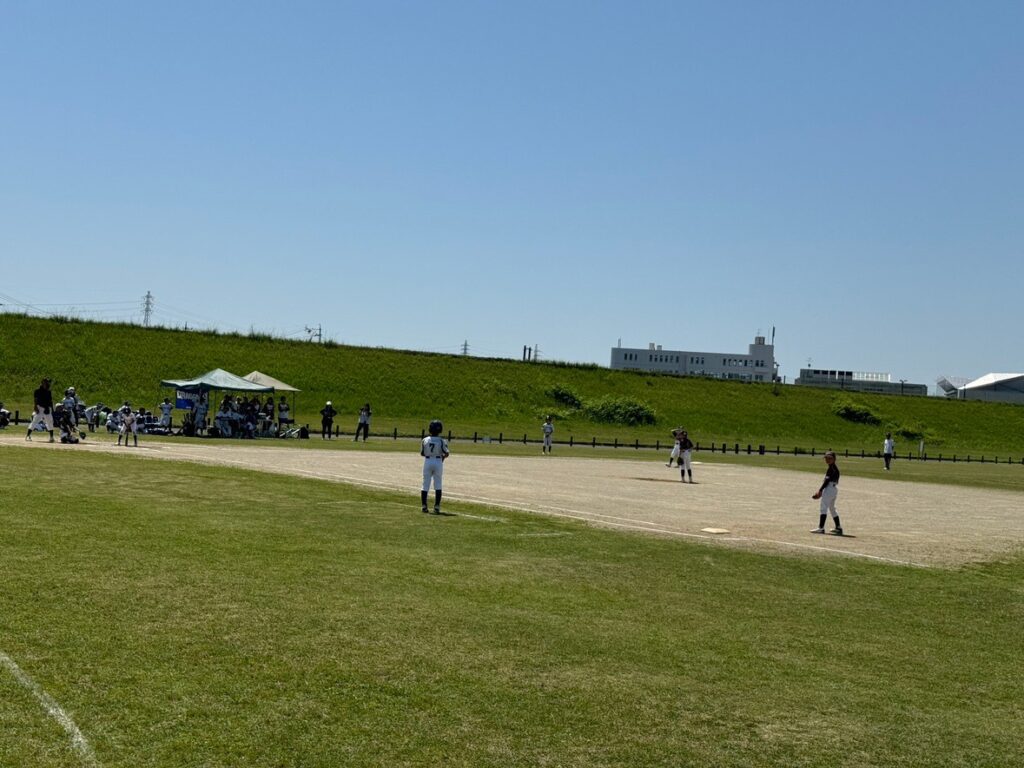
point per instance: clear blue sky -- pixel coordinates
(417, 174)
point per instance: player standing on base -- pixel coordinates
(548, 429)
(434, 450)
(827, 493)
(683, 462)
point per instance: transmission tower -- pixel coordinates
(147, 308)
(465, 347)
(315, 333)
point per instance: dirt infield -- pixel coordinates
(899, 522)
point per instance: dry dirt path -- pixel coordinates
(908, 523)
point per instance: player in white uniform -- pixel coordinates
(166, 408)
(676, 434)
(888, 449)
(548, 428)
(129, 425)
(828, 492)
(434, 450)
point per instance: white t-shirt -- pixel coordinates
(889, 446)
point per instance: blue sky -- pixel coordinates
(565, 174)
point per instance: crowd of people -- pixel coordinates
(237, 416)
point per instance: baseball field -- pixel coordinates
(202, 604)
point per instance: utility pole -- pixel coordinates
(147, 308)
(465, 347)
(315, 333)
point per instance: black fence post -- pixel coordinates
(737, 448)
(712, 447)
(776, 450)
(657, 445)
(499, 438)
(812, 452)
(396, 433)
(760, 449)
(593, 442)
(474, 437)
(616, 442)
(17, 417)
(570, 441)
(637, 446)
(862, 453)
(524, 438)
(449, 435)
(748, 449)
(422, 434)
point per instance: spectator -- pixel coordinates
(327, 414)
(283, 414)
(5, 416)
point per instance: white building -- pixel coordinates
(757, 364)
(858, 381)
(995, 388)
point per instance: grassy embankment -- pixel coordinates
(117, 362)
(186, 615)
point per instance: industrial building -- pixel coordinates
(756, 364)
(857, 381)
(992, 388)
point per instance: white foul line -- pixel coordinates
(53, 709)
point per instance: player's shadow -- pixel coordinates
(661, 480)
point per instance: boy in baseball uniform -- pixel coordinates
(42, 413)
(827, 493)
(129, 425)
(685, 452)
(434, 450)
(166, 409)
(888, 449)
(548, 429)
(676, 433)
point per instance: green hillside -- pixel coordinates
(113, 363)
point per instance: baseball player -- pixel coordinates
(42, 412)
(365, 413)
(685, 451)
(166, 408)
(888, 449)
(70, 403)
(676, 433)
(827, 493)
(434, 450)
(548, 428)
(129, 425)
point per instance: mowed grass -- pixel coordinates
(194, 616)
(113, 363)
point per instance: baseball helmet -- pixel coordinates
(436, 427)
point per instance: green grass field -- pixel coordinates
(193, 616)
(113, 363)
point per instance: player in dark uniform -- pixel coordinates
(43, 411)
(827, 493)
